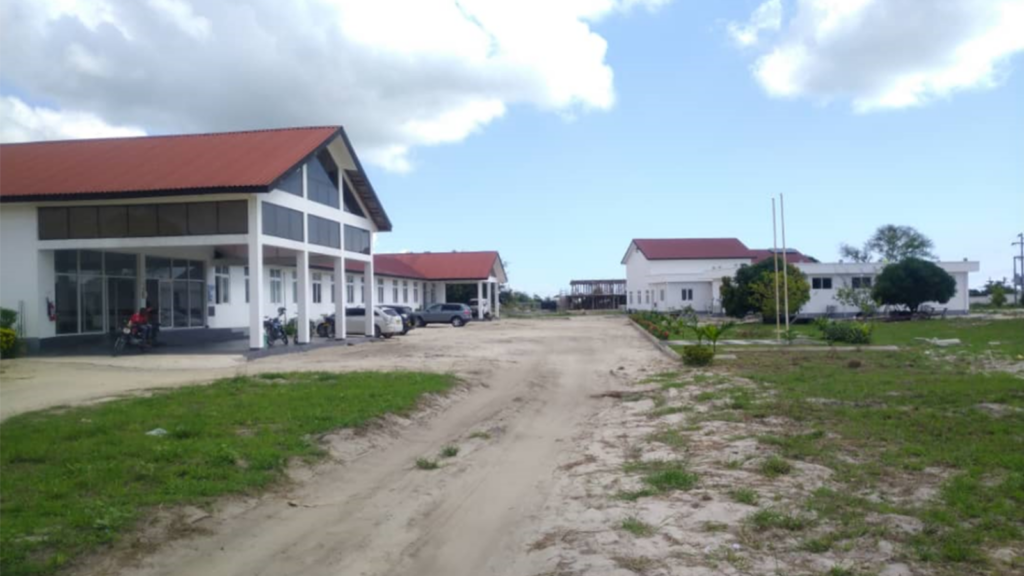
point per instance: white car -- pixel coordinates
(387, 322)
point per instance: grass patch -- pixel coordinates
(659, 477)
(79, 478)
(712, 526)
(746, 496)
(771, 519)
(774, 467)
(449, 451)
(901, 416)
(480, 436)
(667, 410)
(670, 437)
(427, 464)
(637, 527)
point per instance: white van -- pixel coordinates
(387, 322)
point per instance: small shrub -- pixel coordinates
(769, 519)
(746, 496)
(998, 295)
(8, 343)
(426, 464)
(845, 331)
(449, 451)
(775, 466)
(698, 355)
(637, 527)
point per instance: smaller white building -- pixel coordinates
(673, 273)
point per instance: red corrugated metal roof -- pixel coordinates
(692, 248)
(793, 256)
(225, 161)
(432, 265)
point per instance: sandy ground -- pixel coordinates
(369, 510)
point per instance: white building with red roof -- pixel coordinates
(675, 273)
(211, 231)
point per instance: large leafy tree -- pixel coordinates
(753, 290)
(891, 243)
(913, 282)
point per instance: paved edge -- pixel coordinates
(658, 344)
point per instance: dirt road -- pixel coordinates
(370, 511)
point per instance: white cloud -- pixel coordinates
(766, 18)
(23, 123)
(885, 54)
(397, 73)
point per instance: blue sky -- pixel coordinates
(556, 132)
(694, 148)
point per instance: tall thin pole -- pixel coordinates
(785, 260)
(775, 257)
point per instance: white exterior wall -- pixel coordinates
(28, 274)
(842, 274)
(703, 277)
(673, 275)
(235, 313)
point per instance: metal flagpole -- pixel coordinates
(785, 260)
(775, 257)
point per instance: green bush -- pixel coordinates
(699, 355)
(8, 343)
(845, 331)
(7, 318)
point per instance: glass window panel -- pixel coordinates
(172, 219)
(113, 221)
(65, 261)
(197, 302)
(90, 261)
(357, 240)
(179, 270)
(196, 270)
(158, 267)
(53, 223)
(233, 217)
(202, 218)
(92, 304)
(322, 180)
(142, 221)
(180, 308)
(66, 303)
(120, 301)
(83, 222)
(120, 264)
(292, 183)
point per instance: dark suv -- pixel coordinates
(455, 314)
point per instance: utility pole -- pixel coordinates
(785, 260)
(775, 257)
(1018, 277)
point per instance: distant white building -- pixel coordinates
(671, 274)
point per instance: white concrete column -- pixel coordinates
(370, 298)
(255, 254)
(302, 273)
(339, 299)
(479, 300)
(497, 301)
(140, 282)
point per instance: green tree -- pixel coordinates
(859, 298)
(762, 292)
(891, 243)
(746, 292)
(913, 282)
(998, 295)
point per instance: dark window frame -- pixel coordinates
(139, 220)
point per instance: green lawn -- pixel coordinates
(884, 418)
(74, 480)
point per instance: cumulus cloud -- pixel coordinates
(22, 123)
(397, 73)
(886, 54)
(767, 17)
